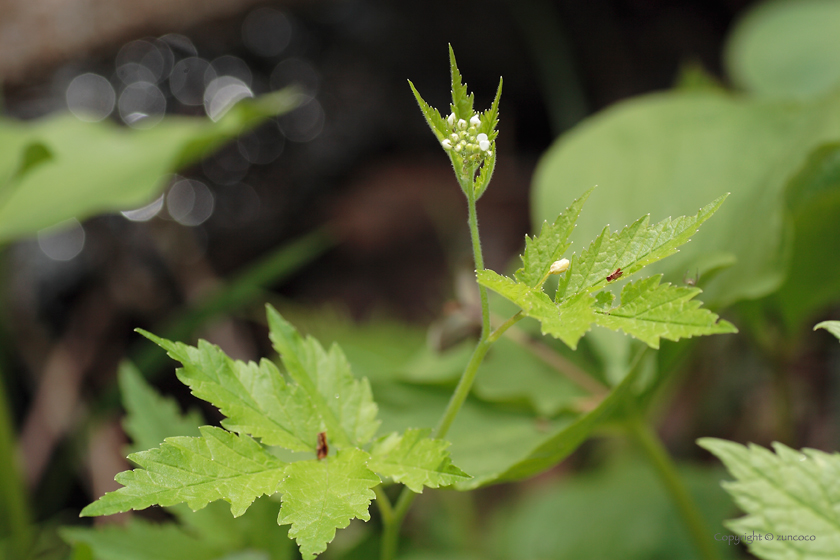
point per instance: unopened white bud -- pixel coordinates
(462, 124)
(475, 121)
(451, 119)
(447, 145)
(483, 142)
(559, 267)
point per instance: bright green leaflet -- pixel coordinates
(318, 495)
(787, 49)
(648, 310)
(783, 493)
(59, 167)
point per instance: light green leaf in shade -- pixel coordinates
(344, 404)
(544, 249)
(141, 540)
(322, 496)
(254, 397)
(786, 50)
(650, 311)
(150, 417)
(218, 465)
(416, 460)
(831, 326)
(631, 249)
(787, 493)
(75, 169)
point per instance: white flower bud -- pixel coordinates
(454, 137)
(475, 121)
(462, 124)
(447, 145)
(451, 119)
(483, 142)
(559, 267)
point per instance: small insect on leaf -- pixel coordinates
(691, 280)
(615, 275)
(323, 449)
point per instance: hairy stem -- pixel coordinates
(656, 453)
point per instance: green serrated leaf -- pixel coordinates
(485, 174)
(650, 311)
(415, 459)
(789, 493)
(322, 496)
(568, 321)
(631, 249)
(432, 116)
(831, 326)
(218, 465)
(150, 417)
(254, 397)
(490, 117)
(544, 249)
(345, 404)
(462, 103)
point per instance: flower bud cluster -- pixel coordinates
(465, 140)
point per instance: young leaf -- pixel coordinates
(345, 404)
(218, 465)
(650, 311)
(254, 397)
(544, 249)
(786, 493)
(433, 118)
(150, 417)
(462, 103)
(416, 460)
(322, 496)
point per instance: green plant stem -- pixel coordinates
(391, 531)
(656, 453)
(386, 511)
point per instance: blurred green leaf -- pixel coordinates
(831, 326)
(101, 167)
(618, 512)
(668, 153)
(142, 540)
(813, 199)
(787, 49)
(491, 443)
(783, 493)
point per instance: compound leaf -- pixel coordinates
(218, 465)
(416, 460)
(650, 311)
(789, 493)
(322, 496)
